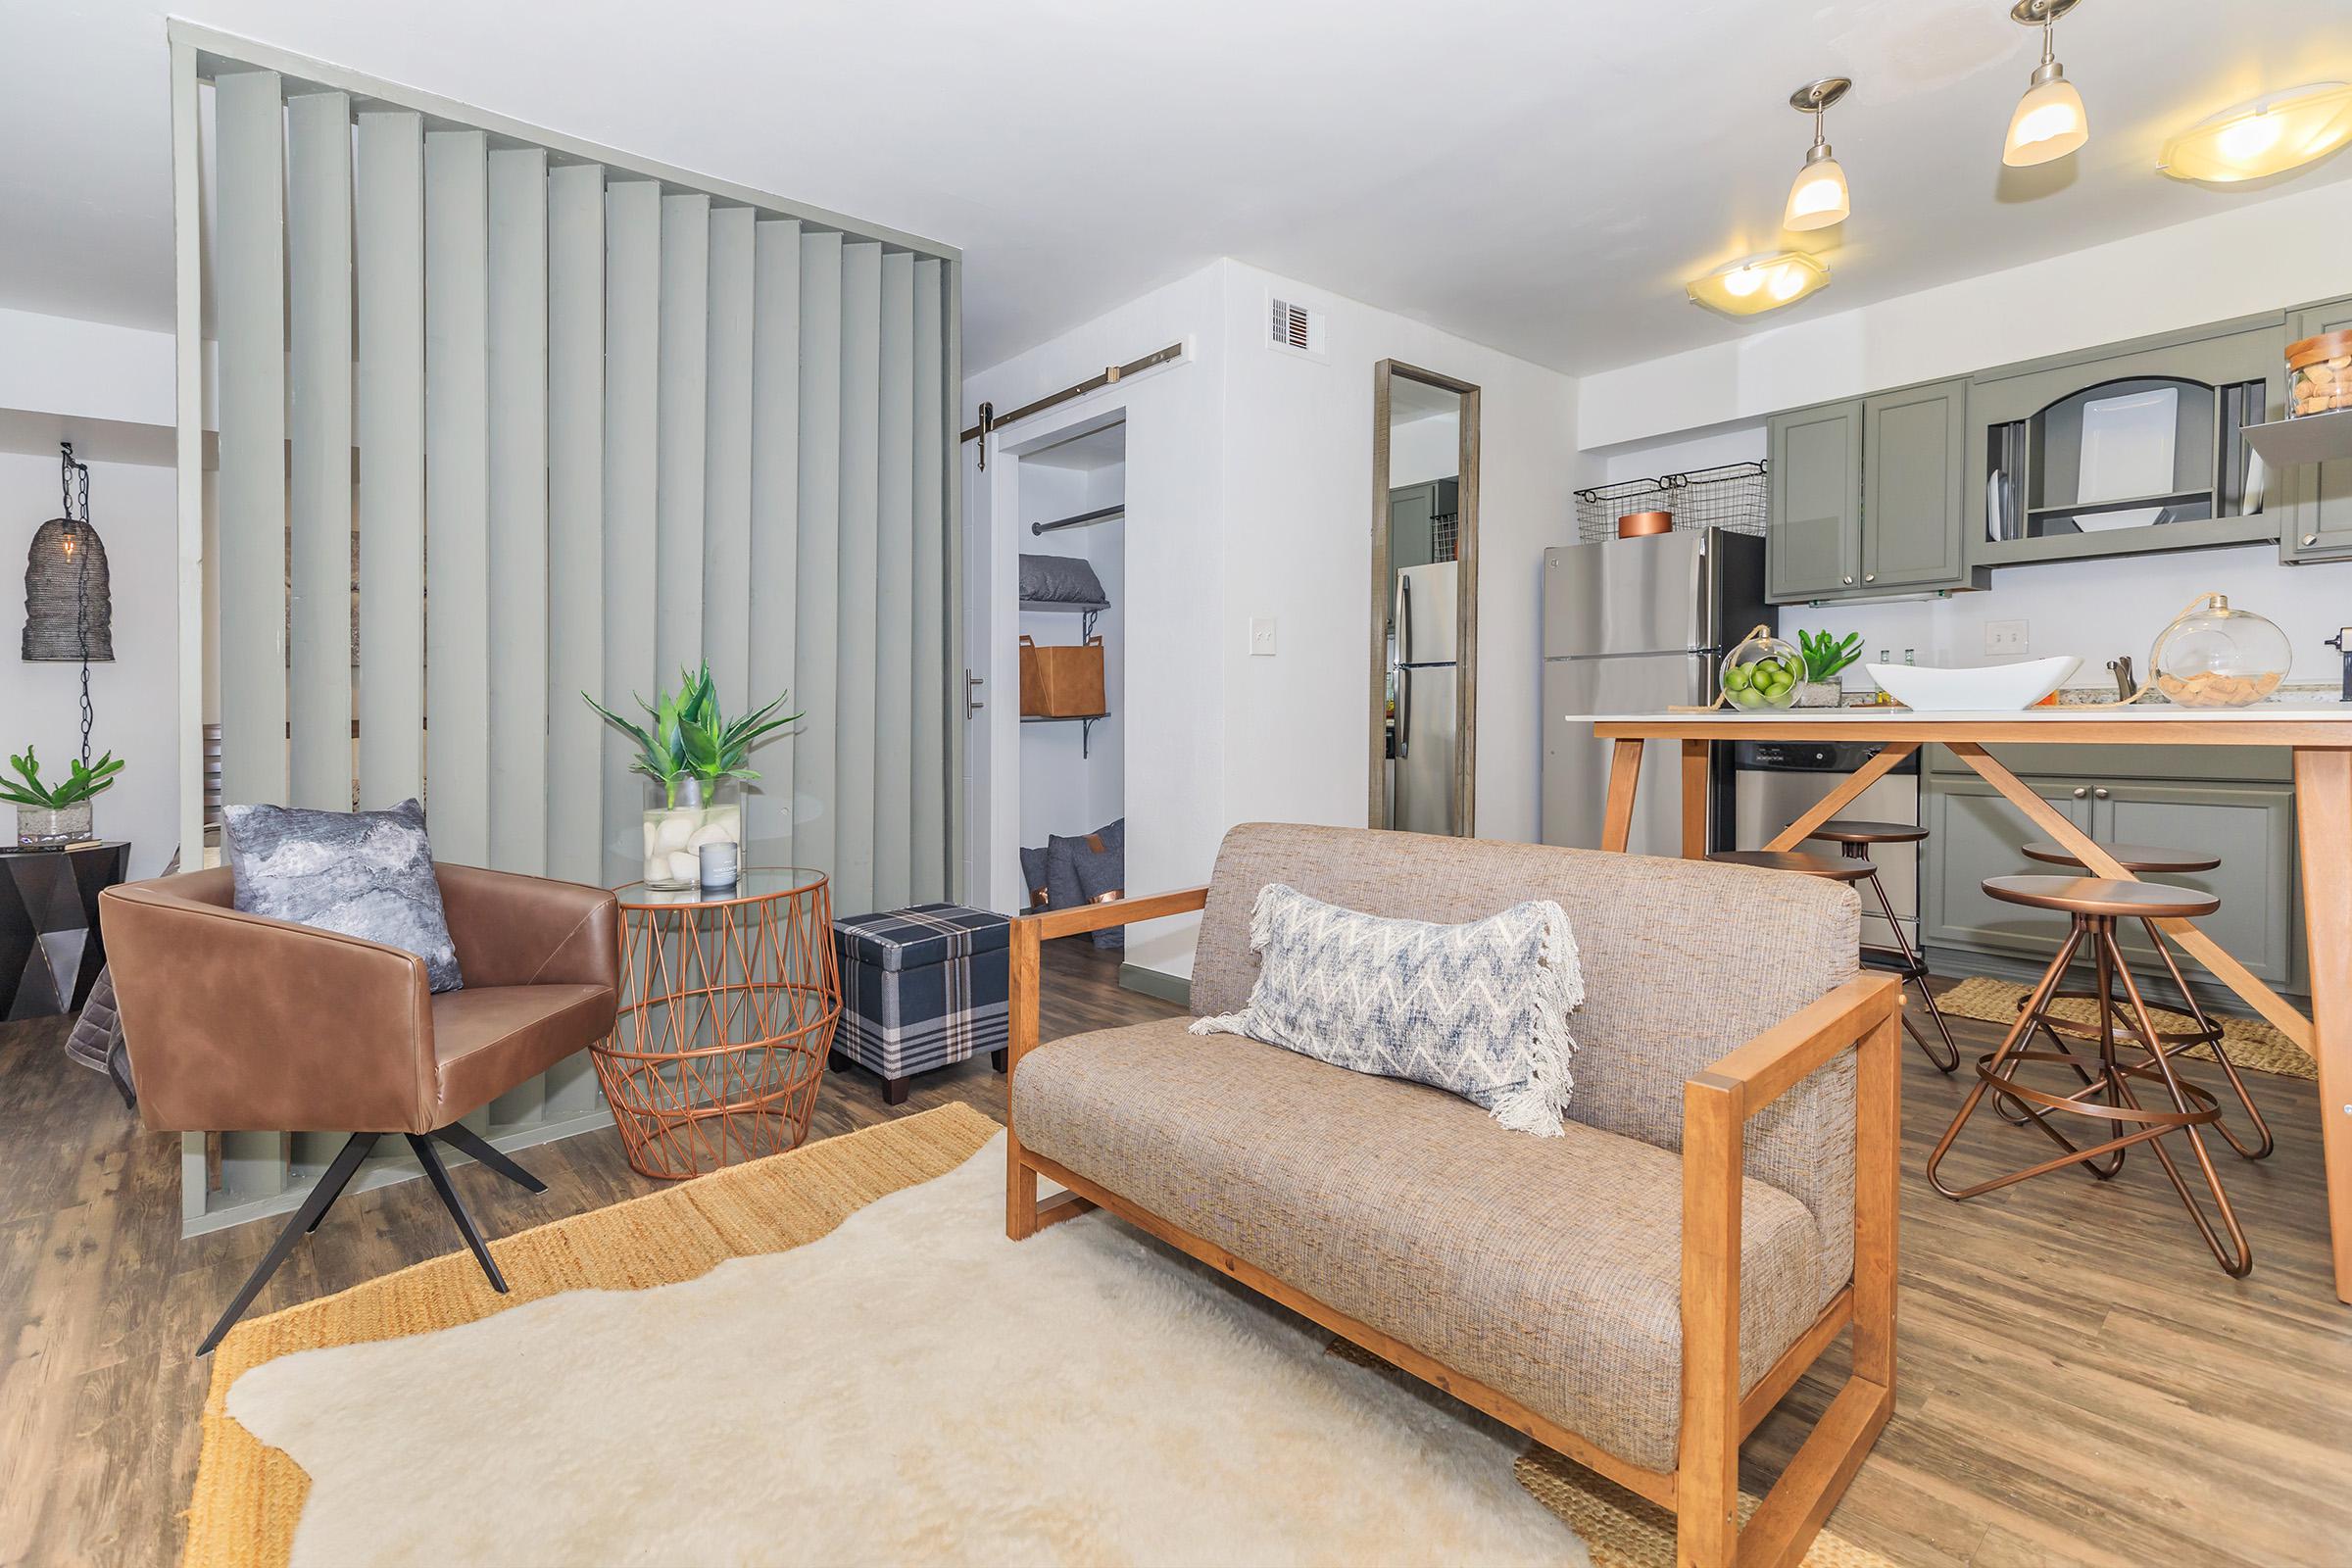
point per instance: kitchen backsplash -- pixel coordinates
(2097, 609)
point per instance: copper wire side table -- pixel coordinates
(728, 1005)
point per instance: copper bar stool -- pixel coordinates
(2094, 906)
(2143, 860)
(1854, 838)
(1854, 866)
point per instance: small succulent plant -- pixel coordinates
(1825, 657)
(82, 781)
(691, 738)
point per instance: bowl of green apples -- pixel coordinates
(1763, 672)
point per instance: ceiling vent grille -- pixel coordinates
(1293, 329)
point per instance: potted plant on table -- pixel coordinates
(695, 757)
(60, 813)
(1825, 657)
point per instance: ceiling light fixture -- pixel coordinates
(2275, 133)
(1758, 283)
(1819, 198)
(2049, 121)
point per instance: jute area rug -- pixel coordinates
(726, 1371)
(2253, 1044)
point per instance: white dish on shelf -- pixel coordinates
(2127, 450)
(1985, 689)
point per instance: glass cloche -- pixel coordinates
(2217, 656)
(1763, 672)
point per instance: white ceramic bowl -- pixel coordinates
(1991, 688)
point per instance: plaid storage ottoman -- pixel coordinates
(922, 988)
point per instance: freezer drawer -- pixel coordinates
(1625, 596)
(1576, 767)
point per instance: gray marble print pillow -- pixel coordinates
(366, 874)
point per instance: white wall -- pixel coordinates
(2241, 261)
(1249, 483)
(136, 696)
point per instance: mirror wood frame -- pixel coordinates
(1465, 671)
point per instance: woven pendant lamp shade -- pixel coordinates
(68, 566)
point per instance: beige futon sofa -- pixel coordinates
(1733, 1137)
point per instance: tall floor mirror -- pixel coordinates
(1423, 727)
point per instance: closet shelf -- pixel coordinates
(1081, 519)
(1091, 613)
(1085, 727)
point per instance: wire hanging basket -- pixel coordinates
(1730, 496)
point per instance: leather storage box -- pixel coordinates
(1062, 682)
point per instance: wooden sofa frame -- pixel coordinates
(1702, 1491)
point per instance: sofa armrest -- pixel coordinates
(1030, 930)
(514, 930)
(1864, 1016)
(236, 1021)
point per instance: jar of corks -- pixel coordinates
(2318, 375)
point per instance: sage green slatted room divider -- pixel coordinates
(606, 418)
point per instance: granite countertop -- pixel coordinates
(2301, 693)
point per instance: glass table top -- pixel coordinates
(756, 882)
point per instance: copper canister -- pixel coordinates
(1640, 524)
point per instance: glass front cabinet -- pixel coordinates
(2127, 453)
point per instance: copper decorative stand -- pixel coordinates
(728, 1005)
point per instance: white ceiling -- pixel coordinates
(1532, 175)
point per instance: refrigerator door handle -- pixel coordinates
(1405, 618)
(1405, 714)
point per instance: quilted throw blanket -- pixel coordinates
(1479, 1009)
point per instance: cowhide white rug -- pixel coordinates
(910, 1389)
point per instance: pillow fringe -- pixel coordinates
(1540, 1106)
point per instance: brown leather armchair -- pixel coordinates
(235, 1021)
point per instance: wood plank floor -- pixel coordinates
(2079, 1384)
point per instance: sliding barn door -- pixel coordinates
(505, 420)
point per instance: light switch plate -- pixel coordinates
(1261, 636)
(2007, 638)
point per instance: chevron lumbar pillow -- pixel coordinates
(1479, 1009)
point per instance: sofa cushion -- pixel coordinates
(1477, 1010)
(1682, 961)
(1547, 1268)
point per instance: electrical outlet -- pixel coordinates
(1261, 636)
(2006, 639)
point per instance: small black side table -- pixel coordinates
(50, 952)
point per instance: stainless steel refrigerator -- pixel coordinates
(1634, 626)
(1425, 740)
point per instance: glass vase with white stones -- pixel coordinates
(675, 831)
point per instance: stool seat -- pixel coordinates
(1837, 870)
(2098, 896)
(1854, 830)
(2130, 857)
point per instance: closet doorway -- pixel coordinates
(1059, 621)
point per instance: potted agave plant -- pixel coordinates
(1824, 658)
(60, 813)
(693, 756)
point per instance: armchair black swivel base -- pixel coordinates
(338, 1175)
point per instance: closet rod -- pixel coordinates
(1101, 515)
(990, 420)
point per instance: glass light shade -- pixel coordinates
(2050, 124)
(1759, 284)
(1819, 197)
(2275, 133)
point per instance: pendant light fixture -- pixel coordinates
(2049, 121)
(69, 606)
(1819, 197)
(2273, 133)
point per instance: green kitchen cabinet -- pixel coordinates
(1866, 497)
(2317, 496)
(1412, 526)
(1813, 533)
(1975, 834)
(1914, 448)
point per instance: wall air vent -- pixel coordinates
(1293, 329)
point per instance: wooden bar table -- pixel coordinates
(2318, 733)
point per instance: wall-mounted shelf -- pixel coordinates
(1085, 727)
(2313, 438)
(1088, 614)
(1081, 519)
